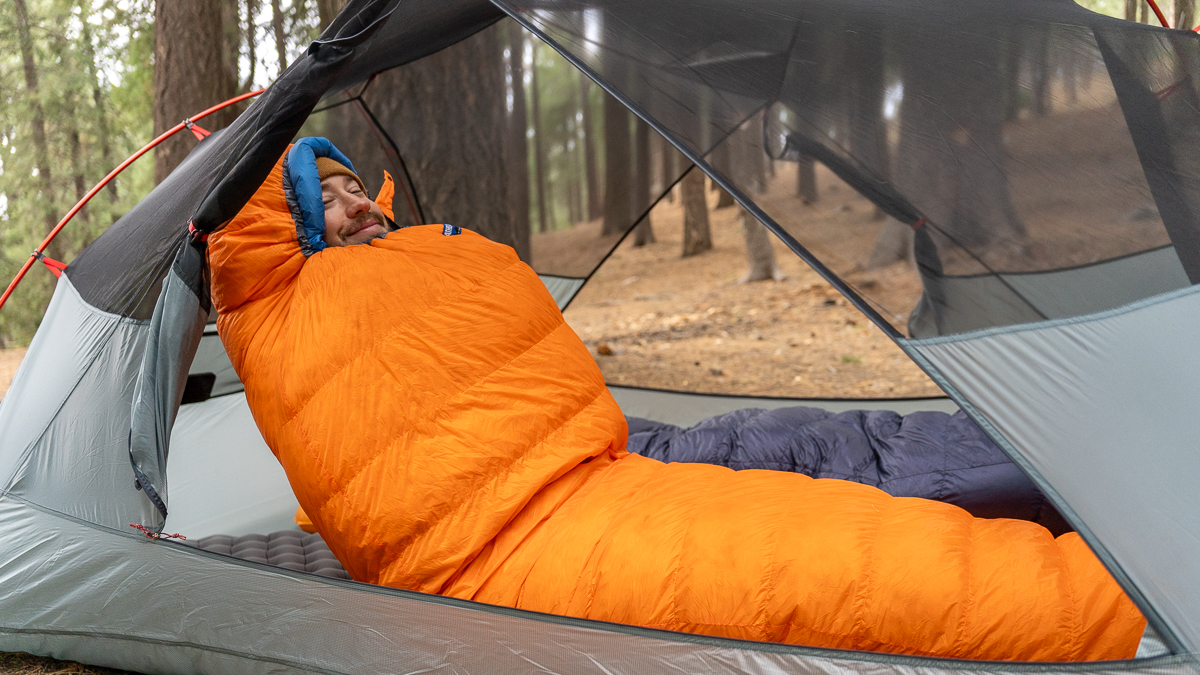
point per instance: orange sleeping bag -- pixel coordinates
(447, 432)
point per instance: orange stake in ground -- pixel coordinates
(447, 432)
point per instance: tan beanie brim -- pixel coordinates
(327, 167)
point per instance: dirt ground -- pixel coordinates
(654, 319)
(27, 664)
(9, 360)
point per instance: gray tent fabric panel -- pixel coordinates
(175, 331)
(969, 303)
(53, 365)
(159, 607)
(686, 409)
(223, 477)
(959, 304)
(64, 432)
(1103, 408)
(562, 289)
(1103, 286)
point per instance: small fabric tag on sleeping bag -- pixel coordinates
(449, 230)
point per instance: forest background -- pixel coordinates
(84, 83)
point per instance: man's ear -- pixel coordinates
(386, 193)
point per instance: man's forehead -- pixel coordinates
(337, 181)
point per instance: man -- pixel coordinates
(448, 433)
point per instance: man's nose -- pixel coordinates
(358, 206)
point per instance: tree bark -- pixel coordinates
(1131, 9)
(760, 255)
(697, 237)
(960, 180)
(893, 243)
(749, 172)
(327, 10)
(189, 73)
(448, 115)
(518, 127)
(589, 148)
(617, 168)
(670, 167)
(252, 41)
(721, 159)
(280, 39)
(644, 234)
(806, 180)
(539, 155)
(1185, 14)
(76, 151)
(98, 100)
(38, 123)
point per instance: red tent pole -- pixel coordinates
(187, 123)
(1158, 12)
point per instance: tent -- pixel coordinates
(1057, 254)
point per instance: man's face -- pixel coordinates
(350, 218)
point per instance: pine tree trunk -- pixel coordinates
(589, 149)
(697, 237)
(189, 73)
(1185, 14)
(98, 100)
(70, 124)
(893, 243)
(669, 167)
(644, 234)
(280, 40)
(760, 255)
(617, 168)
(806, 180)
(518, 126)
(327, 10)
(38, 123)
(574, 190)
(460, 177)
(749, 171)
(76, 150)
(539, 155)
(721, 159)
(252, 38)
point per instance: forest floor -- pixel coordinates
(654, 319)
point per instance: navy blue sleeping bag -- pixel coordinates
(926, 454)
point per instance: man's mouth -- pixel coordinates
(365, 224)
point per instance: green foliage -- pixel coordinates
(94, 61)
(560, 123)
(95, 90)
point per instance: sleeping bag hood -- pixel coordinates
(447, 432)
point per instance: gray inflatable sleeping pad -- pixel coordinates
(289, 549)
